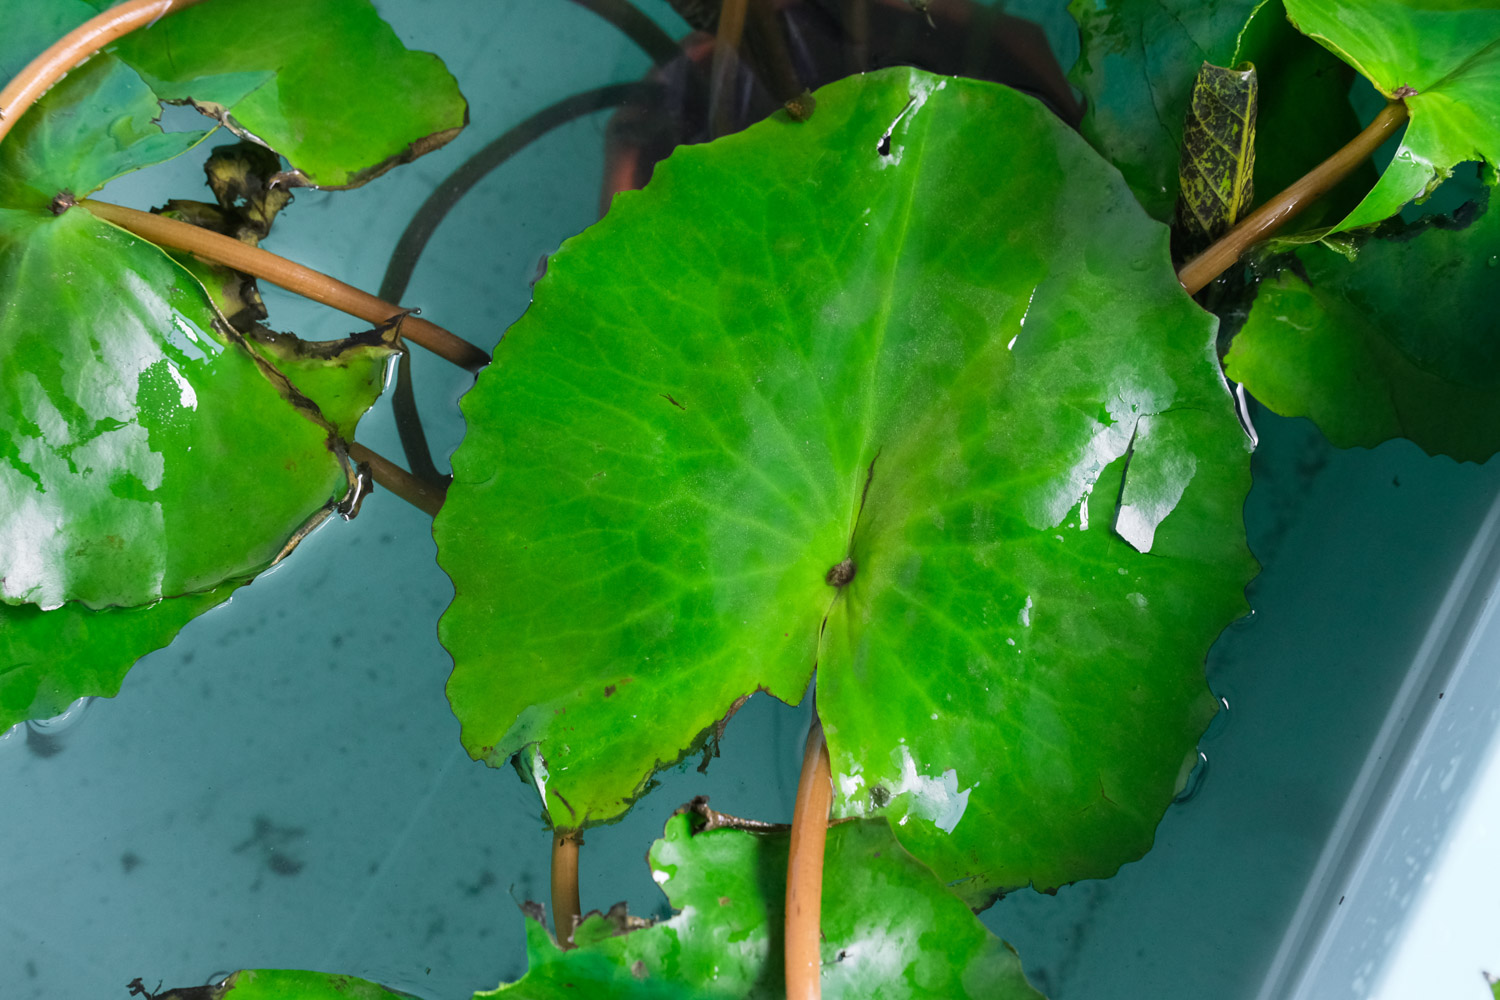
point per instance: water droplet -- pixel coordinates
(1494, 261)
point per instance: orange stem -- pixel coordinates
(417, 492)
(73, 48)
(565, 905)
(804, 871)
(279, 271)
(1268, 218)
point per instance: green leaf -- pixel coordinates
(343, 378)
(49, 659)
(1218, 152)
(285, 984)
(96, 125)
(1399, 343)
(932, 279)
(1137, 67)
(1443, 57)
(140, 455)
(889, 928)
(325, 83)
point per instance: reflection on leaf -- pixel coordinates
(673, 450)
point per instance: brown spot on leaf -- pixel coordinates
(609, 689)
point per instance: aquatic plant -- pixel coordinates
(900, 392)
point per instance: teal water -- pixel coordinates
(284, 786)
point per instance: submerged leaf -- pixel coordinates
(1401, 342)
(50, 659)
(889, 929)
(1218, 153)
(920, 331)
(1443, 59)
(325, 83)
(1137, 68)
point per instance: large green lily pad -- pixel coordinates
(929, 330)
(1137, 67)
(1443, 58)
(325, 83)
(1400, 342)
(890, 929)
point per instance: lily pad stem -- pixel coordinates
(804, 871)
(293, 277)
(73, 48)
(565, 905)
(1268, 218)
(419, 493)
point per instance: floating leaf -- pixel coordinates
(325, 83)
(924, 329)
(142, 455)
(1218, 153)
(1443, 60)
(284, 984)
(50, 659)
(882, 913)
(1137, 68)
(1402, 342)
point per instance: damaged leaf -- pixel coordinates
(1137, 68)
(1218, 154)
(279, 984)
(325, 83)
(1442, 60)
(866, 357)
(1400, 342)
(881, 912)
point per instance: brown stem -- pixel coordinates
(293, 277)
(565, 905)
(804, 871)
(1268, 218)
(419, 493)
(73, 48)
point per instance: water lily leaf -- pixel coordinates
(1137, 66)
(50, 659)
(141, 455)
(1402, 342)
(1217, 173)
(283, 984)
(882, 911)
(325, 83)
(921, 330)
(1443, 59)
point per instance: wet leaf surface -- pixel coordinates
(1444, 59)
(889, 928)
(1218, 153)
(49, 659)
(143, 456)
(676, 445)
(325, 83)
(1401, 342)
(1137, 68)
